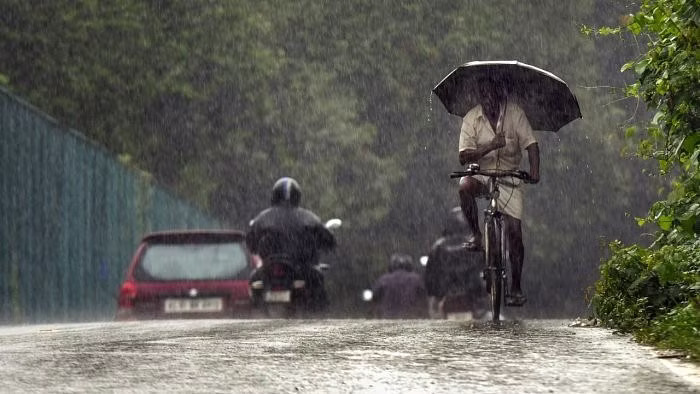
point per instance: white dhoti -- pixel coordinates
(510, 199)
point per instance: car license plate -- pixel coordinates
(180, 305)
(278, 296)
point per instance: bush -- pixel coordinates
(654, 293)
(679, 329)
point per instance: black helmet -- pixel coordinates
(286, 191)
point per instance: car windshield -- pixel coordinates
(196, 261)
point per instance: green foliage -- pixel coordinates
(678, 329)
(640, 284)
(668, 81)
(655, 292)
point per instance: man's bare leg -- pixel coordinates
(469, 189)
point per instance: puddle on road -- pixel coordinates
(335, 356)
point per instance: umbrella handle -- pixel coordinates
(501, 116)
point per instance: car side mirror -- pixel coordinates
(333, 223)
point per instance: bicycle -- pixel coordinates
(495, 246)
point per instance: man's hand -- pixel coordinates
(474, 155)
(498, 142)
(534, 177)
(257, 261)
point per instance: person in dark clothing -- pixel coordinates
(400, 293)
(286, 229)
(453, 269)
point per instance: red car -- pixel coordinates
(187, 274)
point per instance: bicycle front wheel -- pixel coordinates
(493, 264)
(496, 295)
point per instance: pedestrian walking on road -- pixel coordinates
(400, 293)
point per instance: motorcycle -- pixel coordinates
(279, 288)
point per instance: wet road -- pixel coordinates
(330, 356)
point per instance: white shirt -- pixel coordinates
(477, 131)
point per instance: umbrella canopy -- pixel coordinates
(545, 98)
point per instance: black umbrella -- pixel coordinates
(545, 98)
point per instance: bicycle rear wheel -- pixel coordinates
(493, 263)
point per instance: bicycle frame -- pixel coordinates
(495, 236)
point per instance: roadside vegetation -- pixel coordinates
(654, 292)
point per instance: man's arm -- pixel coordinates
(251, 240)
(324, 238)
(473, 155)
(533, 154)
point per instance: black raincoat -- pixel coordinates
(451, 267)
(400, 294)
(291, 231)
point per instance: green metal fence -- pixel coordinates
(71, 216)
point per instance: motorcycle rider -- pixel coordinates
(298, 234)
(453, 268)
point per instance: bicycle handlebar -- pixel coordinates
(492, 173)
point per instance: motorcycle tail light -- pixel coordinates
(278, 270)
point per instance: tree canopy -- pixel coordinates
(217, 99)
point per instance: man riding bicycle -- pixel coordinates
(494, 134)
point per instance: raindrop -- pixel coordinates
(429, 114)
